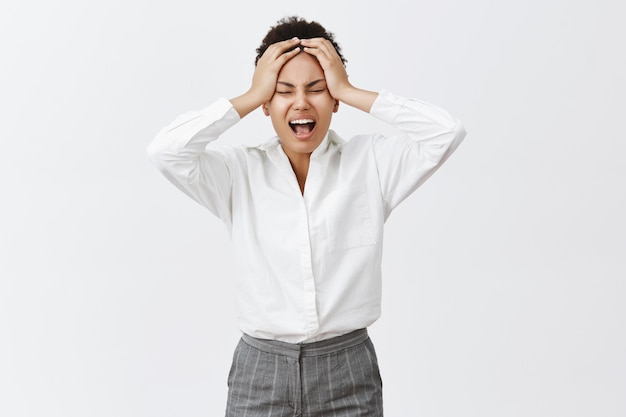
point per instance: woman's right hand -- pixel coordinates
(265, 76)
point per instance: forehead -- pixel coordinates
(301, 69)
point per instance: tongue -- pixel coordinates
(302, 129)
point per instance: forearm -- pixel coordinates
(185, 138)
(179, 151)
(422, 121)
(357, 98)
(405, 161)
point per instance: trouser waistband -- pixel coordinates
(296, 350)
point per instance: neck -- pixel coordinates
(300, 166)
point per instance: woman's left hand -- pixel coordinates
(334, 71)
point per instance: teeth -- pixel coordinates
(301, 121)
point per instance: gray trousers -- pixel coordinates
(337, 377)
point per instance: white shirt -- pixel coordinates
(309, 263)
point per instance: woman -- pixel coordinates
(305, 211)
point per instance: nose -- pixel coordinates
(301, 101)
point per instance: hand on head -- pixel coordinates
(278, 54)
(334, 70)
(268, 67)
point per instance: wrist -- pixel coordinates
(247, 102)
(358, 98)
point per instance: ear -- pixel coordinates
(336, 106)
(266, 109)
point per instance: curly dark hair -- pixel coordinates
(294, 26)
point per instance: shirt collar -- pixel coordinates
(322, 147)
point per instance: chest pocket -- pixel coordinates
(349, 219)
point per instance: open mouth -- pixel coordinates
(302, 126)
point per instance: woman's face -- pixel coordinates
(301, 108)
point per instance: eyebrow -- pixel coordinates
(309, 85)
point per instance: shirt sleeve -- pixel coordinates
(429, 136)
(180, 152)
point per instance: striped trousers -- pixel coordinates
(337, 377)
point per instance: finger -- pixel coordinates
(323, 55)
(320, 47)
(320, 43)
(286, 56)
(279, 48)
(314, 40)
(279, 53)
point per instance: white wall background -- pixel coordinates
(504, 274)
